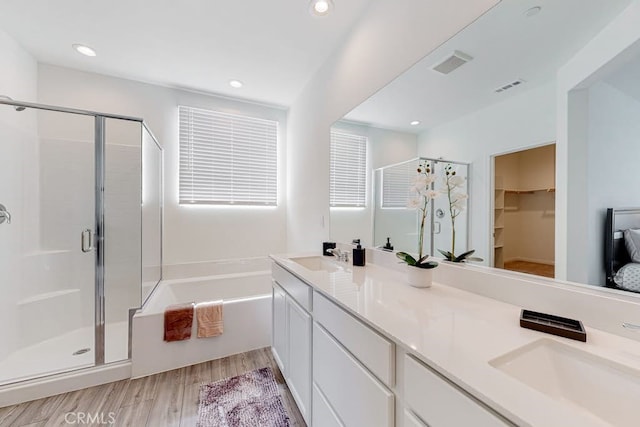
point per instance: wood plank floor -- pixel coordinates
(545, 270)
(166, 399)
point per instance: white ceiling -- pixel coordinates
(506, 45)
(274, 46)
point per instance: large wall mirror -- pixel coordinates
(492, 90)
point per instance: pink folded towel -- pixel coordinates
(209, 316)
(178, 320)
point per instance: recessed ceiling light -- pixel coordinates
(532, 11)
(85, 50)
(236, 84)
(320, 7)
(415, 123)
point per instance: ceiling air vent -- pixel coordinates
(453, 61)
(511, 85)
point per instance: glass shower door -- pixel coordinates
(47, 248)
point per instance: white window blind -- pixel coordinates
(348, 170)
(227, 159)
(396, 181)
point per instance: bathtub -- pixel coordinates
(245, 288)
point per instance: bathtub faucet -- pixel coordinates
(339, 254)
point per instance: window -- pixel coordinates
(227, 159)
(396, 181)
(348, 170)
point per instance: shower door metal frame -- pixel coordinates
(100, 159)
(99, 310)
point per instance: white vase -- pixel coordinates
(419, 277)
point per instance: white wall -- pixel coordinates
(18, 185)
(613, 156)
(614, 44)
(388, 39)
(525, 120)
(385, 147)
(192, 233)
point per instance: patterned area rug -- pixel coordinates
(248, 400)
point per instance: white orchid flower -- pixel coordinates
(456, 181)
(459, 196)
(459, 204)
(420, 180)
(414, 203)
(432, 194)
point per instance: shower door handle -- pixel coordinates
(87, 240)
(437, 227)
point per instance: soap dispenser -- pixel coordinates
(359, 256)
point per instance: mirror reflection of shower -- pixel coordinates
(392, 219)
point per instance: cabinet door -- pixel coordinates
(299, 359)
(279, 328)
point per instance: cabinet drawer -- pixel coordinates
(323, 415)
(373, 350)
(411, 420)
(356, 396)
(299, 291)
(441, 404)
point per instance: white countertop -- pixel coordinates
(457, 333)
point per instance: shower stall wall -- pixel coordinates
(82, 248)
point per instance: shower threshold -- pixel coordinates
(56, 354)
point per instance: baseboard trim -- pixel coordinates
(524, 259)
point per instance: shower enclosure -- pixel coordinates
(80, 236)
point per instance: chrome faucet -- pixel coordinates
(339, 254)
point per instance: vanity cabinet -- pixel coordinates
(355, 395)
(291, 336)
(323, 414)
(279, 335)
(344, 373)
(371, 349)
(439, 403)
(299, 366)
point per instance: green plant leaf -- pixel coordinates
(422, 260)
(447, 255)
(464, 256)
(428, 264)
(406, 258)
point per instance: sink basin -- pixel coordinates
(317, 263)
(600, 387)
